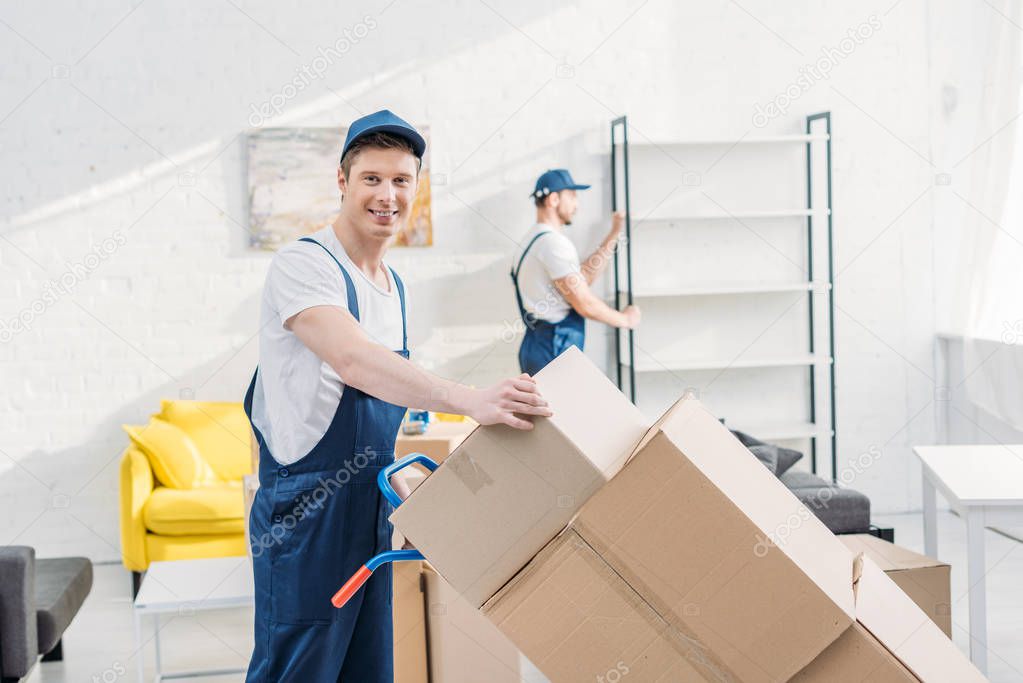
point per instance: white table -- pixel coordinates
(984, 484)
(185, 587)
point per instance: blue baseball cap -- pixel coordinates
(555, 180)
(384, 121)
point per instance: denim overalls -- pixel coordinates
(313, 524)
(544, 341)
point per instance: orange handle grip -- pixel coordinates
(351, 587)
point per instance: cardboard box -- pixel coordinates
(896, 621)
(409, 608)
(892, 640)
(856, 657)
(579, 621)
(744, 582)
(413, 478)
(925, 580)
(439, 440)
(466, 648)
(504, 493)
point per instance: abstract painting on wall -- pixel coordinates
(293, 187)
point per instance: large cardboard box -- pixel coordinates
(504, 493)
(693, 557)
(463, 646)
(892, 640)
(925, 580)
(856, 657)
(409, 610)
(579, 621)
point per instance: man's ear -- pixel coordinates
(342, 182)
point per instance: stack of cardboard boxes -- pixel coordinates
(606, 550)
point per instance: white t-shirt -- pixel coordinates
(296, 393)
(551, 257)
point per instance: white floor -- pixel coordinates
(99, 646)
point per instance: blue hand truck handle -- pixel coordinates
(360, 577)
(384, 478)
(393, 556)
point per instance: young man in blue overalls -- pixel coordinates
(325, 404)
(552, 288)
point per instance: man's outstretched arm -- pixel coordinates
(596, 262)
(580, 297)
(336, 338)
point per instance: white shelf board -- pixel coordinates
(805, 359)
(722, 215)
(725, 289)
(780, 431)
(749, 140)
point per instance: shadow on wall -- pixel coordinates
(485, 191)
(66, 500)
(122, 160)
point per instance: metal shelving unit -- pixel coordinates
(818, 131)
(721, 215)
(728, 288)
(804, 360)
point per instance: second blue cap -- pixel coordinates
(384, 121)
(555, 180)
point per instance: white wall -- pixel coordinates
(124, 122)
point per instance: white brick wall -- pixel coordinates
(100, 127)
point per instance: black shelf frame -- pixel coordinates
(622, 123)
(620, 186)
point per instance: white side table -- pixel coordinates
(186, 587)
(984, 484)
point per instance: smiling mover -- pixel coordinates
(325, 404)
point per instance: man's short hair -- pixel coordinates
(377, 140)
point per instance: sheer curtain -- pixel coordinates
(991, 307)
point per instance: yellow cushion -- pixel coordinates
(219, 430)
(210, 509)
(168, 548)
(174, 457)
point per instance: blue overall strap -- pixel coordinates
(515, 273)
(353, 301)
(401, 295)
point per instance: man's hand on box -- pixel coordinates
(506, 401)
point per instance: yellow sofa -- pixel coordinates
(181, 484)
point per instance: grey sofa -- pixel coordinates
(843, 510)
(38, 600)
